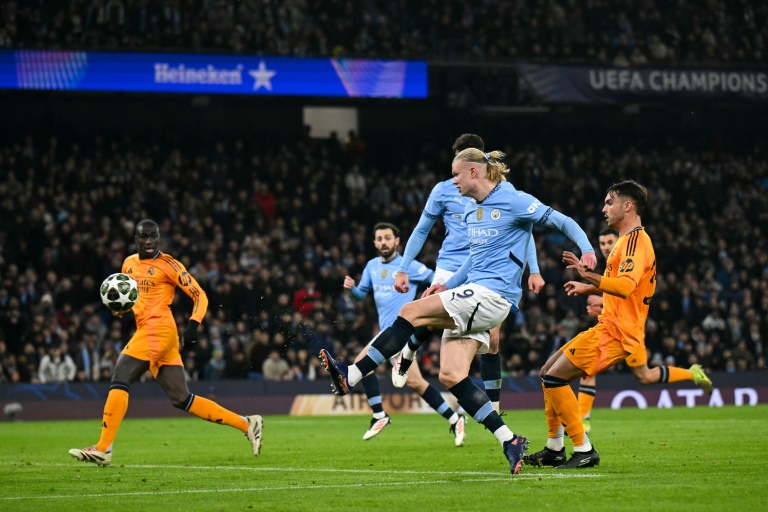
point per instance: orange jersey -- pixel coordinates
(631, 258)
(158, 278)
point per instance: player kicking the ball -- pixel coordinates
(479, 296)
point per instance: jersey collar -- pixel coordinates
(497, 187)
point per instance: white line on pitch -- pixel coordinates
(285, 488)
(329, 470)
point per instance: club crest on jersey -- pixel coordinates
(627, 265)
(495, 214)
(479, 214)
(384, 273)
(151, 271)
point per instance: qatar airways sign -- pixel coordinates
(668, 398)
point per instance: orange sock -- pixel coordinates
(678, 374)
(114, 412)
(586, 400)
(211, 411)
(553, 422)
(567, 409)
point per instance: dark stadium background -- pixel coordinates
(256, 207)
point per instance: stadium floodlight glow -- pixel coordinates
(211, 74)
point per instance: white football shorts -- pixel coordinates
(441, 276)
(476, 310)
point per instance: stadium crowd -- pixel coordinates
(270, 232)
(623, 33)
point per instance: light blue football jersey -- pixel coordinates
(499, 232)
(380, 277)
(445, 202)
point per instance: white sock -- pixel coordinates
(503, 434)
(379, 415)
(354, 376)
(496, 407)
(408, 353)
(587, 446)
(453, 419)
(557, 443)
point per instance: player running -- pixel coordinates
(155, 347)
(637, 362)
(628, 285)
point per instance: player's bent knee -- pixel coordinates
(182, 403)
(644, 378)
(409, 311)
(449, 378)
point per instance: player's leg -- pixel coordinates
(588, 353)
(553, 453)
(420, 336)
(435, 399)
(171, 379)
(371, 386)
(587, 392)
(127, 370)
(490, 369)
(563, 400)
(427, 312)
(662, 374)
(404, 360)
(456, 355)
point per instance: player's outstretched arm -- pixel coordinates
(573, 231)
(412, 249)
(535, 281)
(618, 286)
(359, 292)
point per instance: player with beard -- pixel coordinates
(379, 276)
(155, 346)
(637, 362)
(627, 285)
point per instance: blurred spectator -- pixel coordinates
(56, 367)
(276, 368)
(707, 217)
(685, 31)
(306, 299)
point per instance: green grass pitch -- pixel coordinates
(670, 459)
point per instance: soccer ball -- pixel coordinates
(119, 292)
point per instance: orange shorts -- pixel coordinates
(157, 343)
(594, 350)
(639, 358)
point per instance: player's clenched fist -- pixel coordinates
(401, 282)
